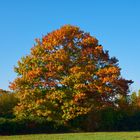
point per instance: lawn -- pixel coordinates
(78, 136)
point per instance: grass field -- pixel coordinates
(78, 136)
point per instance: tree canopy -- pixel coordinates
(67, 74)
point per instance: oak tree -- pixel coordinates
(67, 74)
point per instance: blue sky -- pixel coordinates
(115, 23)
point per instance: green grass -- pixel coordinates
(78, 136)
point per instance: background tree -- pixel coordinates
(135, 101)
(66, 75)
(8, 101)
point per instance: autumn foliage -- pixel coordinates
(66, 75)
